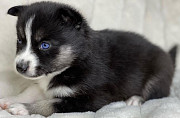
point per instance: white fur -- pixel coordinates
(61, 91)
(18, 109)
(134, 101)
(4, 104)
(44, 107)
(27, 54)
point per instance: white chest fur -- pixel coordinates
(59, 91)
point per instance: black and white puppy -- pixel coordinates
(77, 69)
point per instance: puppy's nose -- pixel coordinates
(22, 67)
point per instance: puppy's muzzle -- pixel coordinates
(22, 67)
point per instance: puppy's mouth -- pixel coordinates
(42, 73)
(39, 72)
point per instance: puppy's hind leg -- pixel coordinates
(159, 77)
(156, 88)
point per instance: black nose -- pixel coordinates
(22, 67)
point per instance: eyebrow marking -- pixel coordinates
(39, 35)
(21, 32)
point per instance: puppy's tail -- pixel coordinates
(173, 53)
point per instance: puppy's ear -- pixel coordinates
(16, 10)
(70, 16)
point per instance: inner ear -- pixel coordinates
(70, 16)
(16, 10)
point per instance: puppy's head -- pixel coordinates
(49, 36)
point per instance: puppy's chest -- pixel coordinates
(55, 91)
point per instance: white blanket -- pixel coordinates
(159, 108)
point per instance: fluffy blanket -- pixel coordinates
(159, 108)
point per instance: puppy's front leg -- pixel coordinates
(47, 107)
(44, 107)
(31, 94)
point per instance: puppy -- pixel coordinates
(77, 69)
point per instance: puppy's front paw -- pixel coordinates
(134, 101)
(18, 109)
(4, 104)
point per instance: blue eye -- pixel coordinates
(45, 45)
(19, 41)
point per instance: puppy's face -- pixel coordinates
(48, 37)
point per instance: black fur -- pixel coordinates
(108, 66)
(173, 53)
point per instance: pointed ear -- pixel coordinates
(16, 10)
(70, 16)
